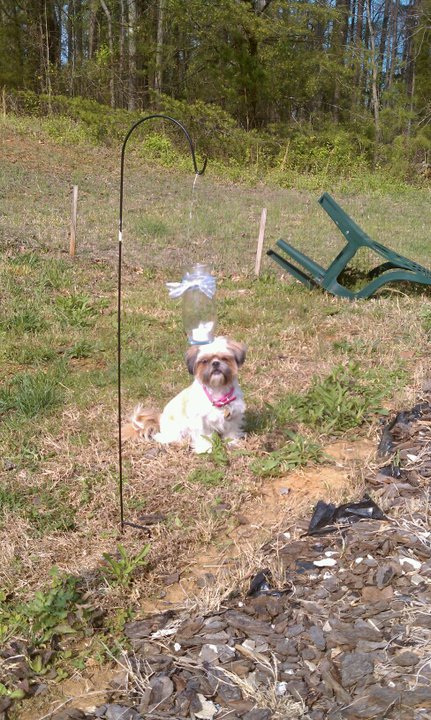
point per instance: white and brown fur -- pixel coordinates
(191, 415)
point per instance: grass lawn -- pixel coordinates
(319, 376)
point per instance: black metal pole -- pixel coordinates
(124, 522)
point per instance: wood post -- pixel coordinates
(74, 214)
(260, 242)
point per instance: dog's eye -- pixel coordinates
(204, 362)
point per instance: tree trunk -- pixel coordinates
(359, 51)
(158, 75)
(111, 53)
(374, 75)
(384, 33)
(131, 90)
(410, 74)
(121, 72)
(394, 43)
(339, 42)
(92, 28)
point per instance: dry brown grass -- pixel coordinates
(291, 334)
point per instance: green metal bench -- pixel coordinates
(396, 268)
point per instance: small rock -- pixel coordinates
(374, 705)
(423, 620)
(409, 563)
(294, 630)
(372, 594)
(162, 688)
(120, 712)
(384, 576)
(72, 714)
(208, 709)
(317, 637)
(325, 562)
(258, 714)
(406, 659)
(170, 579)
(355, 667)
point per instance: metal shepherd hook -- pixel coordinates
(120, 246)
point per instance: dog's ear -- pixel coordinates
(239, 351)
(191, 357)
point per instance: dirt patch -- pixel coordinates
(280, 502)
(347, 636)
(228, 561)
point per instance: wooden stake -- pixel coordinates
(260, 242)
(72, 249)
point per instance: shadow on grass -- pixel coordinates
(355, 279)
(258, 421)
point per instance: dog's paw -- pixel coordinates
(235, 442)
(162, 439)
(202, 446)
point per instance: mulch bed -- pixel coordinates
(347, 636)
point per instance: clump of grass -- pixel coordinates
(209, 477)
(45, 510)
(341, 401)
(425, 316)
(152, 227)
(76, 310)
(32, 353)
(29, 394)
(81, 349)
(23, 320)
(297, 452)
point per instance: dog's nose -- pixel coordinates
(216, 363)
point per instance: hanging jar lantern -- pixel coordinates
(197, 289)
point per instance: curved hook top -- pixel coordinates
(123, 150)
(181, 126)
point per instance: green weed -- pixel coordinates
(341, 401)
(120, 570)
(29, 394)
(50, 612)
(54, 275)
(296, 453)
(76, 310)
(81, 349)
(208, 477)
(23, 320)
(425, 316)
(219, 453)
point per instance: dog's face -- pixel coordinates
(216, 364)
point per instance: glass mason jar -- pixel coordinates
(199, 305)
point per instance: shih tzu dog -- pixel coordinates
(212, 403)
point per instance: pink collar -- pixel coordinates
(224, 400)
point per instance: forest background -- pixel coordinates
(268, 88)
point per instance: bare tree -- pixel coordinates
(131, 94)
(111, 52)
(158, 75)
(374, 71)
